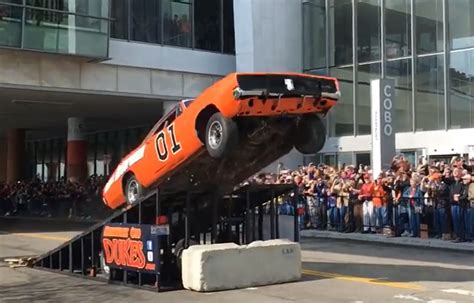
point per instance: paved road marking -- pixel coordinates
(459, 292)
(42, 236)
(408, 297)
(363, 280)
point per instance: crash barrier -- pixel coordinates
(230, 266)
(419, 217)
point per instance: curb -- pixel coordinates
(397, 241)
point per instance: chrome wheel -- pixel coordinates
(132, 191)
(215, 134)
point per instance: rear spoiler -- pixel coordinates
(285, 86)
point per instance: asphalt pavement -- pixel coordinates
(333, 271)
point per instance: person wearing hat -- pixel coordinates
(366, 194)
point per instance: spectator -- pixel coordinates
(366, 194)
(470, 210)
(413, 197)
(456, 189)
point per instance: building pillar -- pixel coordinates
(76, 150)
(15, 154)
(3, 160)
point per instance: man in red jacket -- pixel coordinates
(365, 195)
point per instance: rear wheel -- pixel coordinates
(221, 135)
(310, 134)
(133, 190)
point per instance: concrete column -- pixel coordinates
(15, 154)
(3, 160)
(268, 35)
(76, 150)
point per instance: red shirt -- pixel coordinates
(367, 190)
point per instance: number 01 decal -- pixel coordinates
(161, 146)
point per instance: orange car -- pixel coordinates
(235, 128)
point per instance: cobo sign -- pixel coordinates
(387, 109)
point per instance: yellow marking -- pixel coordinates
(363, 280)
(44, 237)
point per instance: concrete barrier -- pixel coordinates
(230, 266)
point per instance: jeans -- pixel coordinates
(378, 217)
(457, 213)
(440, 221)
(342, 217)
(369, 216)
(386, 216)
(414, 221)
(469, 223)
(332, 216)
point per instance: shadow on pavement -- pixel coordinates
(388, 251)
(37, 225)
(398, 273)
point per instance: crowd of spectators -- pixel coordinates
(401, 200)
(58, 199)
(438, 196)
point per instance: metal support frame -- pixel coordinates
(187, 220)
(272, 216)
(247, 217)
(296, 237)
(73, 257)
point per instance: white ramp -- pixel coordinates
(228, 266)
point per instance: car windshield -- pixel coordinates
(187, 102)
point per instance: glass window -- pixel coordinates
(462, 89)
(208, 24)
(314, 35)
(429, 103)
(10, 25)
(62, 33)
(400, 71)
(94, 8)
(397, 28)
(366, 73)
(177, 22)
(119, 25)
(229, 36)
(461, 23)
(146, 21)
(341, 116)
(368, 30)
(340, 32)
(429, 26)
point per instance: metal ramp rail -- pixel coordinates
(189, 217)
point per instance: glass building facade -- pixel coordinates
(426, 46)
(74, 27)
(198, 24)
(105, 149)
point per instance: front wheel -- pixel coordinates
(221, 135)
(133, 190)
(310, 134)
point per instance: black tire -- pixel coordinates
(132, 185)
(310, 134)
(221, 136)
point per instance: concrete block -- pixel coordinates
(229, 266)
(99, 77)
(19, 68)
(166, 83)
(60, 72)
(134, 80)
(195, 84)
